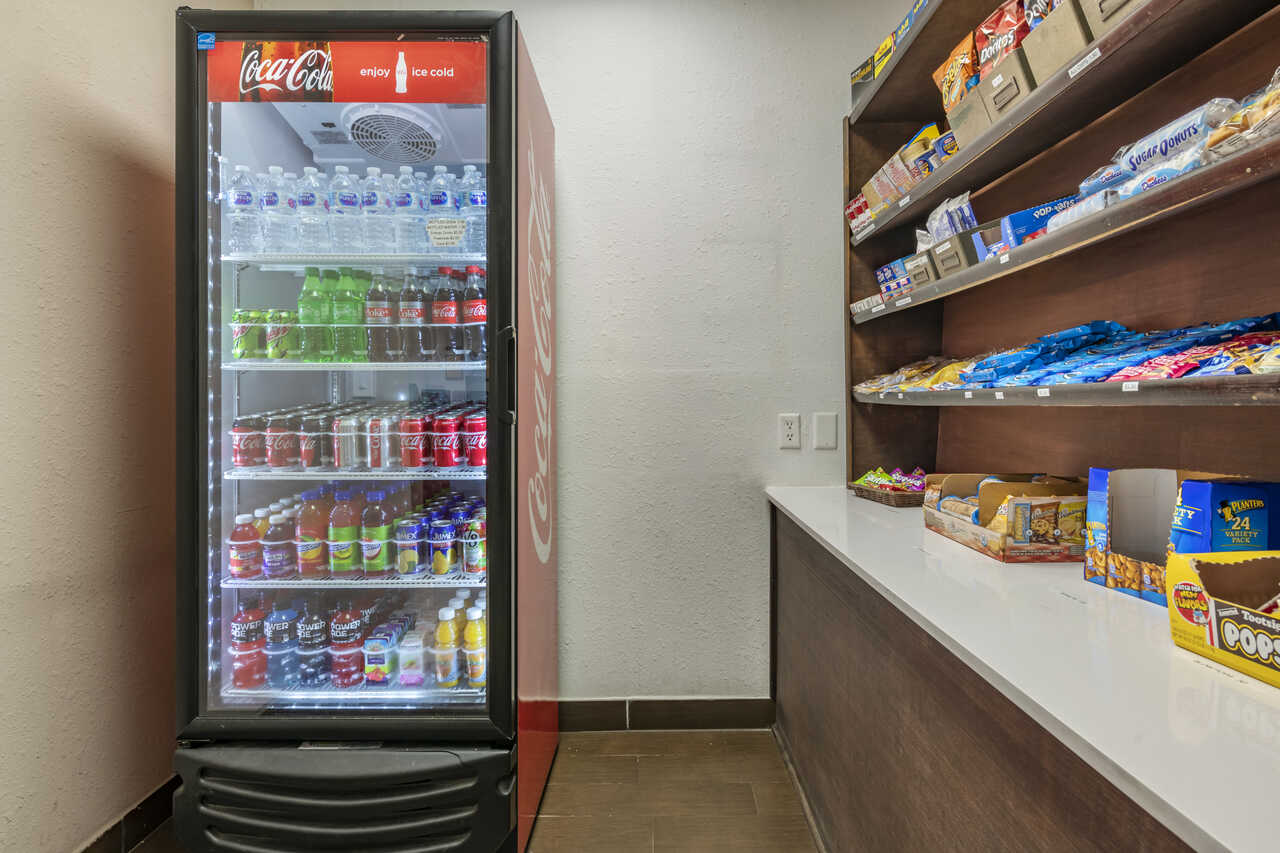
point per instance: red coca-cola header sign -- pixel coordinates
(420, 72)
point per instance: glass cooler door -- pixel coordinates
(346, 368)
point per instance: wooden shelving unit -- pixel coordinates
(1195, 249)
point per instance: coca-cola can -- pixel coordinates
(315, 449)
(381, 432)
(348, 442)
(475, 432)
(282, 442)
(248, 444)
(413, 441)
(445, 445)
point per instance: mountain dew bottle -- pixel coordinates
(348, 319)
(315, 315)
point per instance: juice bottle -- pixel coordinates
(465, 596)
(261, 520)
(346, 652)
(459, 614)
(281, 632)
(279, 554)
(246, 548)
(475, 647)
(313, 531)
(445, 652)
(248, 660)
(344, 538)
(376, 532)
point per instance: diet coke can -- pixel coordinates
(348, 442)
(248, 446)
(448, 453)
(413, 441)
(382, 431)
(475, 432)
(315, 450)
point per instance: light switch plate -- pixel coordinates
(824, 431)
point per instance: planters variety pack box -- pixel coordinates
(1223, 606)
(1225, 516)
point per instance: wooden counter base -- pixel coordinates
(899, 745)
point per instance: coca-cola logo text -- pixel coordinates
(309, 72)
(446, 441)
(539, 488)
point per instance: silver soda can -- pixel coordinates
(349, 446)
(383, 441)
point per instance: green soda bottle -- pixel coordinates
(360, 281)
(315, 313)
(348, 314)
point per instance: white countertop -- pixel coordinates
(1194, 743)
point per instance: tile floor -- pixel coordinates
(656, 792)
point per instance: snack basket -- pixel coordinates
(888, 498)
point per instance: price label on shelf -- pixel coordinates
(999, 395)
(879, 307)
(899, 395)
(1085, 61)
(906, 300)
(904, 201)
(968, 395)
(1128, 386)
(862, 234)
(1004, 259)
(1042, 392)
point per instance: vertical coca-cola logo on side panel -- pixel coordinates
(541, 522)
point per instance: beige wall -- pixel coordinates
(86, 482)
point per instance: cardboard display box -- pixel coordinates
(1029, 539)
(1216, 609)
(1008, 84)
(1104, 15)
(1058, 39)
(969, 119)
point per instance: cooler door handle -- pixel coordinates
(505, 384)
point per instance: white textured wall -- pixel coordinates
(86, 481)
(700, 285)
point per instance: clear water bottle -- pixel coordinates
(440, 202)
(475, 209)
(424, 190)
(345, 211)
(244, 217)
(379, 227)
(279, 212)
(313, 212)
(453, 187)
(410, 236)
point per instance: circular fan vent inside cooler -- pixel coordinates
(388, 133)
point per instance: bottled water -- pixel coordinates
(244, 218)
(475, 208)
(440, 206)
(453, 188)
(345, 212)
(379, 227)
(410, 236)
(279, 212)
(313, 211)
(424, 190)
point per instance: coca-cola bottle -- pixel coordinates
(415, 336)
(444, 316)
(381, 309)
(474, 313)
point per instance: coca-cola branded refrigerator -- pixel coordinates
(366, 491)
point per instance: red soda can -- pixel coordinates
(248, 445)
(282, 442)
(380, 432)
(413, 441)
(445, 442)
(475, 431)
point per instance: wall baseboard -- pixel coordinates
(137, 823)
(603, 715)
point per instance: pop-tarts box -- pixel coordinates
(1015, 227)
(1216, 516)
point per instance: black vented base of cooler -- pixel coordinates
(254, 798)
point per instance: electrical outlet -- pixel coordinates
(824, 431)
(789, 431)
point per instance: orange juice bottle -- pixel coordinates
(475, 648)
(445, 652)
(459, 608)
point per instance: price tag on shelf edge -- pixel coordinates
(1085, 61)
(1128, 386)
(999, 395)
(906, 300)
(866, 229)
(1042, 392)
(904, 201)
(879, 307)
(968, 395)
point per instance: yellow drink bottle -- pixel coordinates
(475, 646)
(445, 652)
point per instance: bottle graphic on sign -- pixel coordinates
(402, 75)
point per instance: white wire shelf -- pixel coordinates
(362, 694)
(330, 473)
(453, 580)
(299, 260)
(254, 364)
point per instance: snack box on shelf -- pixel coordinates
(1055, 38)
(1222, 606)
(1017, 228)
(1040, 526)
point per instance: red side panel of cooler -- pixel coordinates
(537, 662)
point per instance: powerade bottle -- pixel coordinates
(313, 647)
(315, 315)
(348, 319)
(282, 647)
(248, 661)
(346, 650)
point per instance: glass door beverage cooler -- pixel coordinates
(366, 447)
